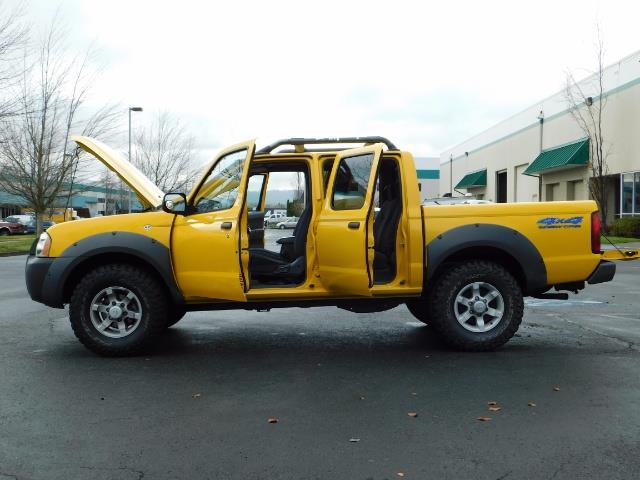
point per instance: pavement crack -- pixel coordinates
(629, 345)
(502, 477)
(12, 476)
(139, 473)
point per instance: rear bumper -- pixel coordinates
(604, 272)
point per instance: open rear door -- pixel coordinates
(344, 236)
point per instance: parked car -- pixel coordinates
(10, 228)
(273, 219)
(462, 269)
(31, 226)
(23, 219)
(288, 222)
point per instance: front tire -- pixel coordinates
(116, 310)
(476, 306)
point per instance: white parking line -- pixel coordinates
(534, 302)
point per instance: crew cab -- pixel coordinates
(463, 269)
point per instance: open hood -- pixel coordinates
(148, 193)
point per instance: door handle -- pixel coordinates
(226, 225)
(354, 225)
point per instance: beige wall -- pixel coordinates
(562, 179)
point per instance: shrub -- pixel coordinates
(627, 227)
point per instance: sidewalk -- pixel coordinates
(622, 246)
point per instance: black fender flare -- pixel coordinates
(486, 235)
(146, 249)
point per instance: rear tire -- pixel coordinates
(117, 310)
(4, 232)
(476, 306)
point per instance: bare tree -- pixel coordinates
(587, 102)
(296, 205)
(36, 160)
(163, 151)
(13, 37)
(111, 186)
(101, 124)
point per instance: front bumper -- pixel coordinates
(604, 272)
(36, 272)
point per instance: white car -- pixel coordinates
(23, 219)
(273, 219)
(288, 222)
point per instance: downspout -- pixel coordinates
(451, 174)
(541, 118)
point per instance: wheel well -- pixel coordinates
(102, 259)
(486, 253)
(2, 229)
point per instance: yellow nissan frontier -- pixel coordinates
(362, 242)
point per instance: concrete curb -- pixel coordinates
(13, 254)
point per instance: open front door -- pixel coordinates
(207, 243)
(344, 233)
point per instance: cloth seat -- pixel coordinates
(265, 263)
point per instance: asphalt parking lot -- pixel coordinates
(341, 386)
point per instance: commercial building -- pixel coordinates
(541, 153)
(93, 200)
(427, 169)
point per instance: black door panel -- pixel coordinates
(256, 229)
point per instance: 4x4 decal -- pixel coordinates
(557, 222)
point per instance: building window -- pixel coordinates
(630, 193)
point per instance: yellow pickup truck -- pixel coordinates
(363, 242)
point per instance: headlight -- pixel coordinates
(43, 246)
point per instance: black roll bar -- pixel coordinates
(301, 142)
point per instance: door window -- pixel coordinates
(327, 166)
(351, 182)
(254, 192)
(219, 190)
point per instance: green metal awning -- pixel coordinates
(572, 155)
(473, 180)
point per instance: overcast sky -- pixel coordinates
(425, 74)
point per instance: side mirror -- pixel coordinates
(175, 203)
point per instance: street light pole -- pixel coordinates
(131, 109)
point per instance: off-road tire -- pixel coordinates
(442, 300)
(419, 308)
(150, 292)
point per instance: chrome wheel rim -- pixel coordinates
(478, 307)
(116, 312)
